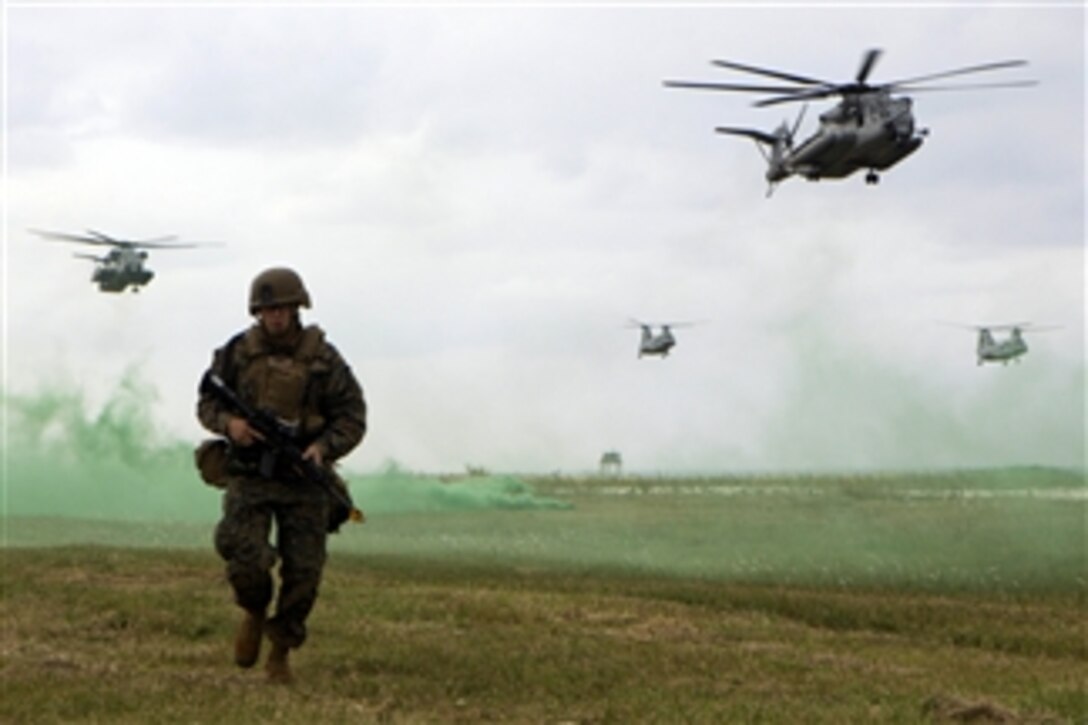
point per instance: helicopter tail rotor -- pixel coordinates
(773, 147)
(797, 123)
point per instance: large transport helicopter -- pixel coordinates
(123, 265)
(1011, 348)
(868, 129)
(660, 343)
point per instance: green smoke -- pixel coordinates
(847, 406)
(847, 410)
(63, 460)
(77, 477)
(394, 490)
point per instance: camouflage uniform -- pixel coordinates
(302, 379)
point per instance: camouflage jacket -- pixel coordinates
(306, 383)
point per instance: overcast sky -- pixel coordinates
(479, 198)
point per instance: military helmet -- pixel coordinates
(277, 286)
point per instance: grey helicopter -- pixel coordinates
(1009, 349)
(660, 343)
(122, 266)
(869, 129)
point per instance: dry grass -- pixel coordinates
(122, 635)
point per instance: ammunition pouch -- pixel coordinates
(212, 460)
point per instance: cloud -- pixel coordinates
(479, 198)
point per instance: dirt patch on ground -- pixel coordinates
(949, 709)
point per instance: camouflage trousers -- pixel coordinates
(242, 538)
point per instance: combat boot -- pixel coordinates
(279, 672)
(247, 640)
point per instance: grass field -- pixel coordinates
(801, 600)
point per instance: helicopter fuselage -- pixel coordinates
(117, 279)
(990, 350)
(658, 344)
(121, 268)
(870, 131)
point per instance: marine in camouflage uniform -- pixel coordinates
(291, 371)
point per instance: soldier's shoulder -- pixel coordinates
(314, 339)
(243, 344)
(232, 344)
(330, 354)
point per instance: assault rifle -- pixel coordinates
(281, 444)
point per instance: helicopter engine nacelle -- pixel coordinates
(900, 119)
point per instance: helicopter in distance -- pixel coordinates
(868, 129)
(656, 344)
(1005, 350)
(123, 265)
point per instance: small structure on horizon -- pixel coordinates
(611, 463)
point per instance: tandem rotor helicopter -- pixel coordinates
(868, 129)
(662, 342)
(123, 265)
(1008, 349)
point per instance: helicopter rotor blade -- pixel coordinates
(175, 245)
(1028, 326)
(803, 80)
(161, 242)
(959, 71)
(1002, 327)
(976, 327)
(632, 322)
(867, 62)
(801, 96)
(61, 237)
(91, 257)
(682, 323)
(105, 238)
(812, 88)
(963, 87)
(744, 87)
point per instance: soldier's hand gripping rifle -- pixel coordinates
(281, 444)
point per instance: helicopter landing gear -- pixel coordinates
(872, 177)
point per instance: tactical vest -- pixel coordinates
(284, 383)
